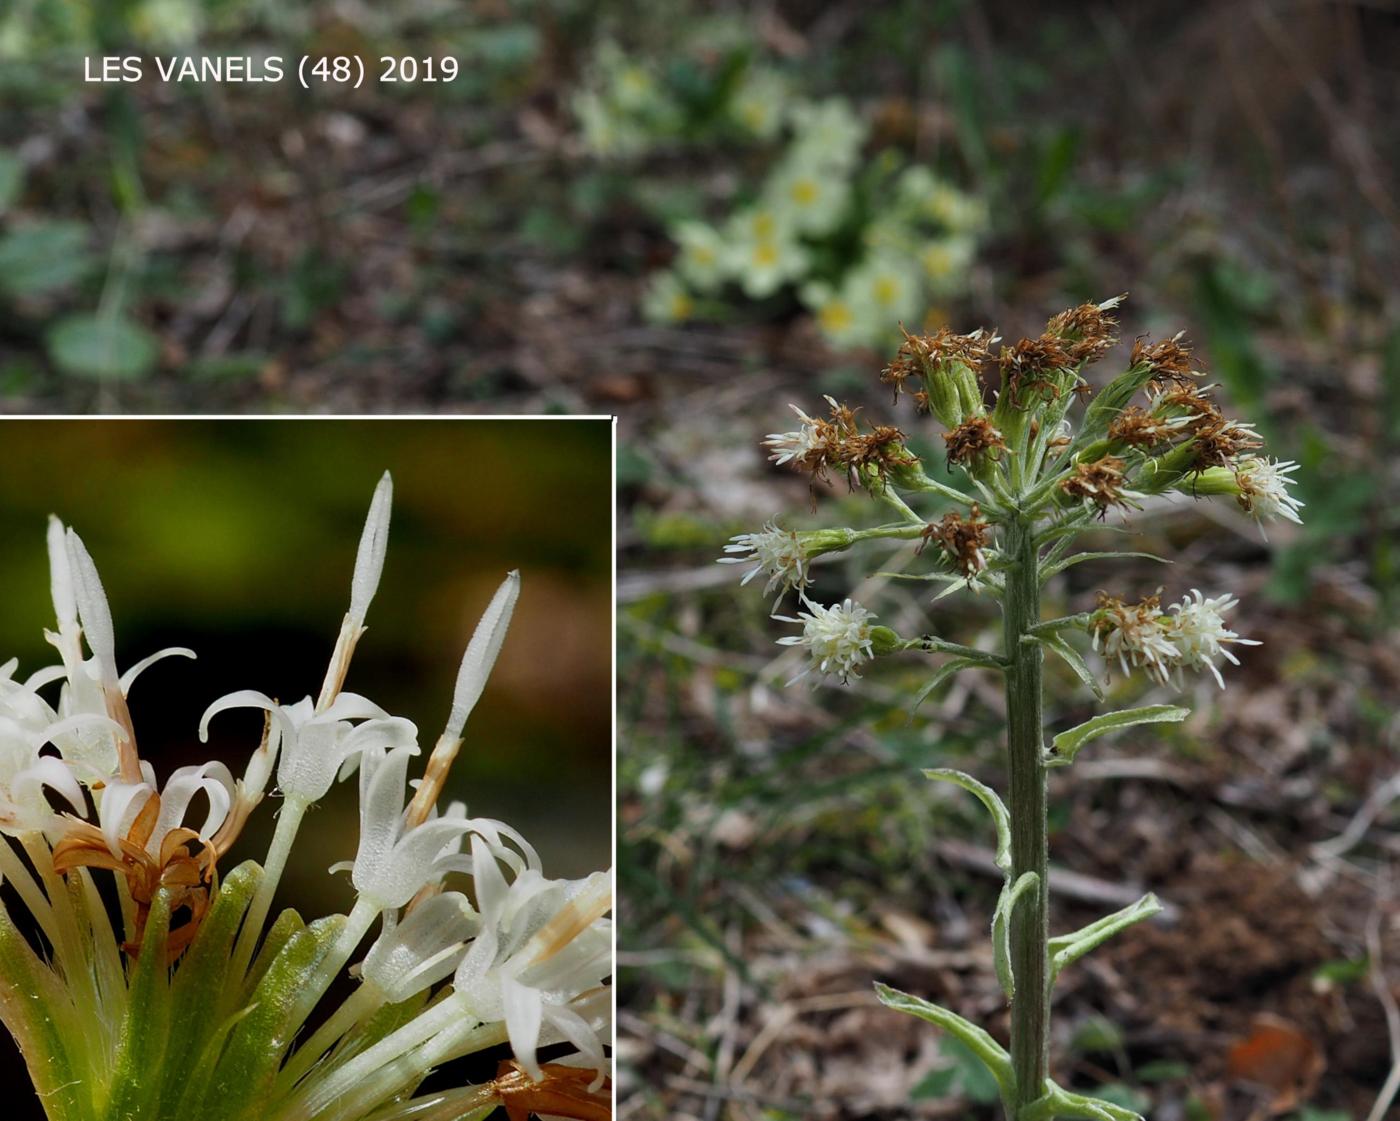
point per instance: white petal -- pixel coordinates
(61, 576)
(524, 1014)
(145, 663)
(92, 605)
(242, 698)
(120, 804)
(481, 654)
(369, 560)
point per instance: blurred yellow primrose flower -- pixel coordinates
(184, 1002)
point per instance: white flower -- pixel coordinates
(759, 102)
(807, 196)
(315, 747)
(666, 299)
(1137, 634)
(835, 316)
(883, 290)
(396, 859)
(838, 638)
(811, 437)
(775, 551)
(124, 809)
(543, 952)
(93, 693)
(827, 133)
(701, 260)
(417, 953)
(1199, 632)
(1264, 484)
(26, 724)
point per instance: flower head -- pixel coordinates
(1199, 633)
(1136, 634)
(1263, 485)
(540, 958)
(838, 638)
(777, 552)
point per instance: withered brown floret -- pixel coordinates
(1201, 411)
(1221, 443)
(882, 449)
(919, 354)
(1169, 361)
(1028, 365)
(963, 539)
(971, 438)
(1087, 331)
(1139, 428)
(1103, 482)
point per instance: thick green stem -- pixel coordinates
(1030, 1009)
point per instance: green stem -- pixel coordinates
(1030, 1009)
(288, 822)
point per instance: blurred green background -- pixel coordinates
(237, 539)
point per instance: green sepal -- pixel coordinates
(35, 1007)
(146, 1026)
(1056, 1102)
(1001, 929)
(1066, 949)
(1071, 657)
(249, 1065)
(987, 1049)
(988, 797)
(1065, 746)
(200, 976)
(1056, 567)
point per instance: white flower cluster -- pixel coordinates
(1193, 635)
(528, 962)
(776, 552)
(1263, 485)
(837, 638)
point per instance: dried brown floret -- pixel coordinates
(1028, 365)
(918, 355)
(881, 449)
(1141, 429)
(1201, 411)
(1087, 330)
(1219, 444)
(1104, 482)
(971, 438)
(1169, 361)
(963, 539)
(921, 402)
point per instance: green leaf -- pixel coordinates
(1001, 929)
(988, 798)
(991, 1053)
(940, 675)
(1066, 745)
(1072, 658)
(102, 346)
(11, 179)
(43, 257)
(1056, 567)
(1056, 1103)
(1069, 948)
